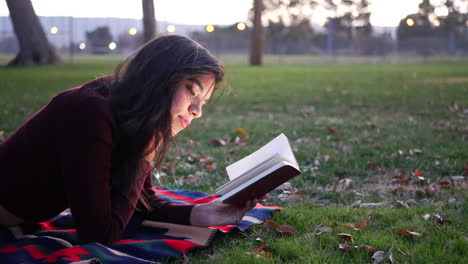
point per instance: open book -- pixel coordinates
(260, 172)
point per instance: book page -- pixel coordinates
(278, 145)
(277, 158)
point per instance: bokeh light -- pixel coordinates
(54, 30)
(112, 46)
(171, 28)
(210, 28)
(241, 26)
(132, 31)
(410, 22)
(82, 46)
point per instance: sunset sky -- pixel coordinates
(200, 12)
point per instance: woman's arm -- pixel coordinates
(84, 147)
(164, 211)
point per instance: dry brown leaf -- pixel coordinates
(362, 225)
(259, 251)
(345, 237)
(400, 179)
(349, 225)
(241, 131)
(240, 141)
(418, 173)
(445, 183)
(270, 224)
(217, 142)
(407, 233)
(368, 248)
(285, 230)
(441, 219)
(372, 165)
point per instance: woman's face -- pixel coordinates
(189, 98)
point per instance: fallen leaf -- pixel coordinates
(241, 131)
(240, 141)
(260, 251)
(260, 248)
(211, 166)
(372, 165)
(334, 224)
(441, 219)
(362, 225)
(418, 173)
(331, 129)
(426, 217)
(445, 183)
(217, 142)
(368, 248)
(402, 204)
(349, 225)
(345, 237)
(407, 233)
(343, 184)
(270, 224)
(323, 229)
(285, 230)
(379, 256)
(400, 179)
(346, 246)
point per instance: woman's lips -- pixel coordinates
(185, 123)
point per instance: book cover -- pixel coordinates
(260, 172)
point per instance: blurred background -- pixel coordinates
(288, 27)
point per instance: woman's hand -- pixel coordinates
(216, 213)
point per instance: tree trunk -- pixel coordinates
(149, 21)
(34, 46)
(256, 48)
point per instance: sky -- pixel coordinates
(199, 12)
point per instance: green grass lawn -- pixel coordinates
(354, 127)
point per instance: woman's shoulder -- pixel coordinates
(84, 100)
(85, 95)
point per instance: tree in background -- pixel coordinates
(344, 20)
(99, 39)
(149, 20)
(35, 49)
(435, 28)
(256, 48)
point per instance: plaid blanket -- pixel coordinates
(56, 241)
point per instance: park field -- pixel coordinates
(379, 142)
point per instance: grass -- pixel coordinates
(353, 128)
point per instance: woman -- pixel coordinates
(91, 147)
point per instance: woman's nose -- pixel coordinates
(195, 110)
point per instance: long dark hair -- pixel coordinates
(140, 95)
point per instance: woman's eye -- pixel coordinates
(190, 88)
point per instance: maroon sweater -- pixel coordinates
(61, 158)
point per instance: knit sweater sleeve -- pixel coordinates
(164, 211)
(84, 147)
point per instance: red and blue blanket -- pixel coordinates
(56, 241)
